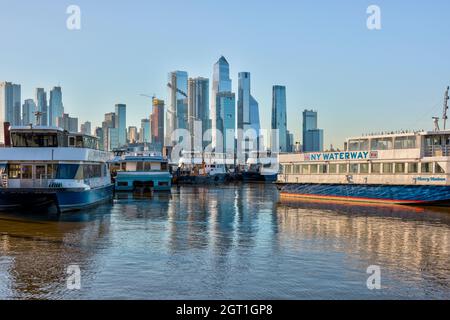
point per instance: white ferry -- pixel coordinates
(400, 168)
(47, 167)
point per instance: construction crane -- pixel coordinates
(148, 96)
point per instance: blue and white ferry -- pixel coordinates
(141, 171)
(47, 167)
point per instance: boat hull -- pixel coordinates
(257, 177)
(48, 200)
(392, 194)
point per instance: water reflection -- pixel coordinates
(239, 242)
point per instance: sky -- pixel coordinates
(359, 80)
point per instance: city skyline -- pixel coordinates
(349, 75)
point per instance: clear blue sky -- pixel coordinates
(358, 80)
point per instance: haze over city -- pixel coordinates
(359, 80)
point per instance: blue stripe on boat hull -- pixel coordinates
(47, 200)
(403, 194)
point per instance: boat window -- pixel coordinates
(164, 166)
(50, 171)
(288, 169)
(14, 171)
(139, 166)
(40, 172)
(353, 145)
(413, 167)
(388, 168)
(332, 168)
(313, 168)
(405, 142)
(296, 169)
(147, 166)
(71, 141)
(34, 139)
(322, 168)
(376, 168)
(400, 168)
(364, 168)
(92, 171)
(343, 168)
(123, 166)
(353, 168)
(305, 169)
(438, 168)
(27, 172)
(69, 171)
(381, 144)
(426, 167)
(79, 140)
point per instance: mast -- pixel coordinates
(444, 116)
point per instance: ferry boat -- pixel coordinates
(141, 171)
(261, 167)
(46, 167)
(398, 168)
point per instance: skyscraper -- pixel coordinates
(279, 119)
(157, 121)
(99, 134)
(56, 108)
(10, 106)
(226, 123)
(110, 122)
(145, 132)
(221, 83)
(28, 110)
(198, 109)
(177, 104)
(312, 136)
(67, 123)
(85, 128)
(133, 134)
(41, 105)
(121, 124)
(247, 119)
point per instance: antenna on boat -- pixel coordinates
(444, 117)
(436, 124)
(38, 116)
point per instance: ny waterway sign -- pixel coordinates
(339, 156)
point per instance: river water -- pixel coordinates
(230, 242)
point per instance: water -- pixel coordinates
(233, 242)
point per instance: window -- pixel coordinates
(69, 171)
(14, 171)
(122, 184)
(297, 169)
(400, 168)
(413, 167)
(332, 168)
(27, 172)
(364, 168)
(438, 169)
(322, 168)
(388, 168)
(40, 172)
(427, 167)
(381, 144)
(51, 169)
(305, 169)
(313, 168)
(356, 145)
(71, 141)
(288, 169)
(27, 140)
(376, 168)
(140, 166)
(343, 169)
(147, 166)
(354, 168)
(405, 142)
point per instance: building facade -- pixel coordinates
(198, 110)
(67, 123)
(41, 106)
(226, 123)
(221, 83)
(279, 119)
(121, 124)
(28, 110)
(312, 135)
(145, 135)
(85, 128)
(56, 108)
(177, 104)
(10, 106)
(157, 121)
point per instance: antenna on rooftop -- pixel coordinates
(436, 124)
(38, 116)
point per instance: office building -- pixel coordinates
(157, 121)
(177, 105)
(56, 108)
(198, 111)
(279, 120)
(312, 135)
(121, 124)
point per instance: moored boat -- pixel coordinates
(47, 168)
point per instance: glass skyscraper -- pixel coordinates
(145, 135)
(56, 108)
(121, 124)
(28, 110)
(41, 105)
(226, 109)
(279, 119)
(221, 83)
(198, 109)
(177, 104)
(157, 121)
(312, 136)
(10, 106)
